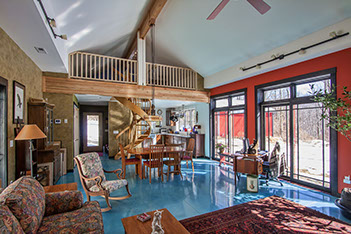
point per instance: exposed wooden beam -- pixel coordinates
(150, 18)
(77, 86)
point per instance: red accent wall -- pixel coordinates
(341, 60)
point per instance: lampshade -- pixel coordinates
(30, 132)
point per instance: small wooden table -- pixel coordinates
(60, 187)
(143, 153)
(169, 224)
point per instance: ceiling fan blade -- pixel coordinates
(260, 6)
(218, 9)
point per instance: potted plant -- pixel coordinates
(337, 112)
(220, 147)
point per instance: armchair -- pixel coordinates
(93, 178)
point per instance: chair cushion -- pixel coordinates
(110, 185)
(87, 219)
(186, 158)
(26, 199)
(133, 160)
(8, 222)
(91, 167)
(171, 162)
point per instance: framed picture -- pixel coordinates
(19, 100)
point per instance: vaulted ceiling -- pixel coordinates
(183, 35)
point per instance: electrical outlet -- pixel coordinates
(115, 132)
(347, 180)
(11, 143)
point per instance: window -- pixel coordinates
(307, 89)
(228, 122)
(187, 119)
(277, 94)
(222, 103)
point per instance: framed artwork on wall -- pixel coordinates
(19, 99)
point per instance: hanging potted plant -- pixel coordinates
(337, 113)
(220, 147)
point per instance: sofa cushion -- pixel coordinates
(26, 199)
(60, 202)
(86, 219)
(8, 222)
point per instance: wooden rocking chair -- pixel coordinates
(93, 179)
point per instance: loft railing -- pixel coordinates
(103, 68)
(170, 76)
(89, 66)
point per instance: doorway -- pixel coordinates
(75, 130)
(3, 132)
(92, 132)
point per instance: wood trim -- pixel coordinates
(145, 25)
(77, 86)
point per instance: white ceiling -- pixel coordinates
(87, 99)
(185, 38)
(183, 35)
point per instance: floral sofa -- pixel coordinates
(25, 208)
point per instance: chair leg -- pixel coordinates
(88, 197)
(192, 165)
(109, 207)
(168, 172)
(150, 175)
(162, 173)
(186, 163)
(136, 169)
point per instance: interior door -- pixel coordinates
(3, 132)
(92, 132)
(76, 130)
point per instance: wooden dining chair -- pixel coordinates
(188, 153)
(174, 160)
(128, 161)
(155, 160)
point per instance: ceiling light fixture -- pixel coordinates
(334, 35)
(51, 22)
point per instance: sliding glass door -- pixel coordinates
(220, 130)
(288, 115)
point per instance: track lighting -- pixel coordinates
(334, 35)
(51, 22)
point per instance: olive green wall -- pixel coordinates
(119, 117)
(63, 132)
(15, 65)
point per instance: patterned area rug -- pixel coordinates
(269, 215)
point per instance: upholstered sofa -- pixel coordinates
(25, 208)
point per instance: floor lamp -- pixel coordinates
(30, 132)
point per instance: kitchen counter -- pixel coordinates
(173, 134)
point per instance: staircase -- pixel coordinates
(140, 128)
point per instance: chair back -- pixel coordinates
(191, 145)
(89, 166)
(274, 161)
(156, 155)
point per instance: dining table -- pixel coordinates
(143, 153)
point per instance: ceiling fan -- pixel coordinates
(259, 5)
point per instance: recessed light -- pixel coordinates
(40, 50)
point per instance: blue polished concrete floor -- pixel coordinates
(208, 189)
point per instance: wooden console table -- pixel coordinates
(169, 224)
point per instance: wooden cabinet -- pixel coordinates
(199, 150)
(41, 114)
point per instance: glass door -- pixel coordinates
(276, 129)
(237, 130)
(311, 157)
(220, 130)
(92, 138)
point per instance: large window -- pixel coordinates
(287, 114)
(228, 122)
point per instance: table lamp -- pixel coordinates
(30, 132)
